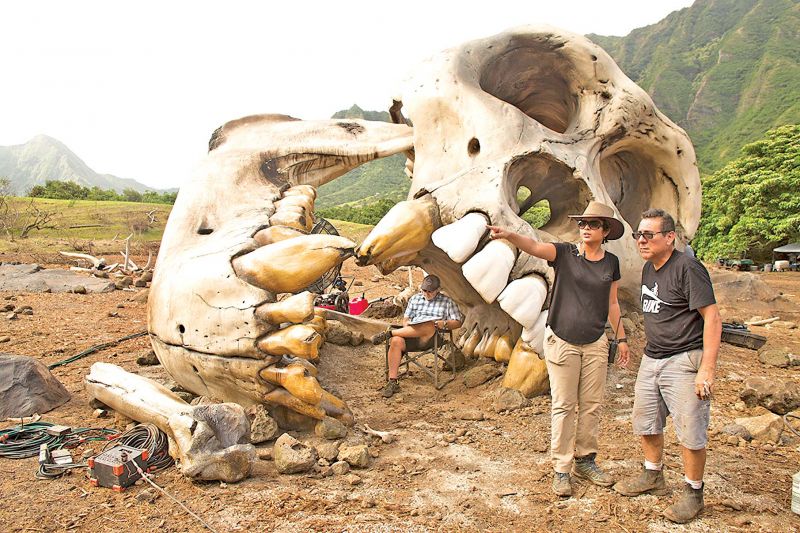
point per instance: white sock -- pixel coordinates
(696, 485)
(652, 466)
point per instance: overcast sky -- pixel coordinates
(136, 88)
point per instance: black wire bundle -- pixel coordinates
(148, 437)
(24, 441)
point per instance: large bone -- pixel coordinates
(209, 441)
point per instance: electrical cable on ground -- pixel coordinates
(146, 477)
(786, 418)
(95, 348)
(148, 437)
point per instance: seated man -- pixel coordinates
(427, 311)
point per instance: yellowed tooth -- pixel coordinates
(526, 372)
(480, 349)
(487, 271)
(503, 349)
(293, 264)
(303, 190)
(319, 324)
(299, 340)
(301, 201)
(296, 379)
(491, 344)
(295, 309)
(275, 234)
(387, 267)
(290, 218)
(404, 230)
(283, 397)
(471, 343)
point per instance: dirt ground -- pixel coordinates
(495, 475)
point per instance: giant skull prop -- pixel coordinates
(533, 107)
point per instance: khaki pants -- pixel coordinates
(577, 382)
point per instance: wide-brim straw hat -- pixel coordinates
(604, 212)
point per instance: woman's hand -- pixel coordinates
(496, 232)
(623, 355)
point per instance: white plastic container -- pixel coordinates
(781, 265)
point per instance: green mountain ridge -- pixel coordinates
(44, 158)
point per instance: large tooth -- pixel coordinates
(296, 379)
(488, 270)
(404, 230)
(534, 336)
(293, 264)
(471, 342)
(523, 298)
(302, 190)
(275, 234)
(480, 349)
(459, 239)
(299, 340)
(526, 372)
(491, 344)
(503, 349)
(291, 217)
(463, 338)
(295, 309)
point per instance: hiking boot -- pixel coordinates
(380, 338)
(647, 482)
(561, 484)
(687, 507)
(586, 468)
(391, 387)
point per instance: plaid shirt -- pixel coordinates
(420, 310)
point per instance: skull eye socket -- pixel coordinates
(533, 76)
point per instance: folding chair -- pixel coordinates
(413, 357)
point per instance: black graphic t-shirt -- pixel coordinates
(671, 296)
(579, 307)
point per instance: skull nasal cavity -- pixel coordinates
(534, 79)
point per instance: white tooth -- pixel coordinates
(522, 299)
(459, 239)
(488, 270)
(535, 336)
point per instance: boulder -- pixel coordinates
(356, 456)
(510, 400)
(330, 428)
(27, 387)
(148, 359)
(777, 357)
(338, 334)
(340, 468)
(777, 396)
(480, 375)
(382, 309)
(34, 278)
(262, 426)
(767, 427)
(328, 450)
(292, 456)
(737, 431)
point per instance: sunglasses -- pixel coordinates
(648, 235)
(593, 224)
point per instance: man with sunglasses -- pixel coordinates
(676, 376)
(428, 311)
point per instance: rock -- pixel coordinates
(27, 311)
(100, 413)
(125, 281)
(146, 276)
(737, 431)
(338, 334)
(777, 396)
(5, 338)
(139, 282)
(94, 403)
(264, 454)
(120, 306)
(356, 338)
(480, 375)
(453, 357)
(148, 359)
(777, 357)
(739, 406)
(100, 273)
(352, 479)
(33, 278)
(470, 414)
(330, 428)
(510, 400)
(186, 396)
(27, 387)
(292, 456)
(357, 456)
(141, 296)
(767, 427)
(8, 307)
(358, 283)
(449, 438)
(328, 450)
(147, 496)
(382, 309)
(11, 316)
(732, 440)
(203, 400)
(79, 289)
(783, 324)
(460, 432)
(340, 468)
(262, 426)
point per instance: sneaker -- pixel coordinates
(392, 387)
(586, 468)
(647, 482)
(382, 337)
(561, 484)
(687, 507)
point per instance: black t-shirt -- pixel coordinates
(579, 306)
(671, 296)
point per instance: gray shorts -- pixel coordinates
(666, 386)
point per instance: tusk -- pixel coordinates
(404, 230)
(293, 264)
(295, 309)
(299, 340)
(488, 270)
(534, 336)
(523, 298)
(460, 239)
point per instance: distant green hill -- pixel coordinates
(725, 70)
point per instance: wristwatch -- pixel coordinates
(623, 339)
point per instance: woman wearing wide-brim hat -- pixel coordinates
(575, 344)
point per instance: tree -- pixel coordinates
(752, 204)
(22, 220)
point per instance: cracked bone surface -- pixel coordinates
(237, 243)
(547, 113)
(210, 442)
